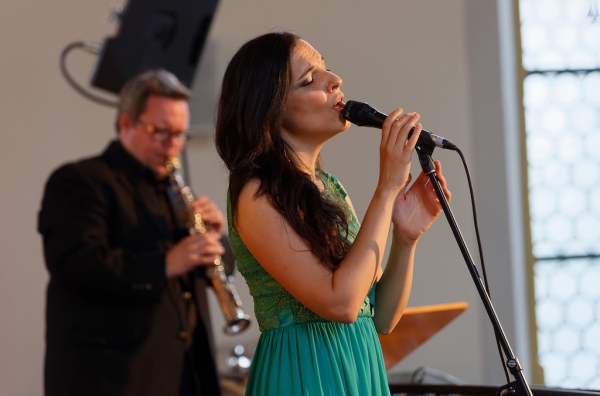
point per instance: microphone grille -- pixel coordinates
(356, 112)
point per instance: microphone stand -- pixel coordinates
(519, 387)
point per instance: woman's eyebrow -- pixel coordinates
(310, 68)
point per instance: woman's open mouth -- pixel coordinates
(339, 106)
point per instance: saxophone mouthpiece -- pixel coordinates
(172, 164)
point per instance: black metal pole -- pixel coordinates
(513, 364)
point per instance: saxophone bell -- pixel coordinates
(236, 320)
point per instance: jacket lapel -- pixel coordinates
(132, 179)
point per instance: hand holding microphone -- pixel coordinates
(416, 209)
(361, 114)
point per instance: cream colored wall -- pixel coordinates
(414, 54)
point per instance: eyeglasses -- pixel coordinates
(163, 135)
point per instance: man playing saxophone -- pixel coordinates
(126, 309)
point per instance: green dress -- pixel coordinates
(299, 352)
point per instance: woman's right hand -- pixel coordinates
(395, 151)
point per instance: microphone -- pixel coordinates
(361, 114)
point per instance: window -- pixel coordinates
(561, 57)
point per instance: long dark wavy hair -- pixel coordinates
(248, 138)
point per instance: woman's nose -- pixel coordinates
(334, 82)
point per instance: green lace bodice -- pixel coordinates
(274, 307)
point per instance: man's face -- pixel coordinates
(157, 134)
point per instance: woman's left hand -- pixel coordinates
(416, 209)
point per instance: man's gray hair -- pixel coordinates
(135, 92)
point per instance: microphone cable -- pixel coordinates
(481, 259)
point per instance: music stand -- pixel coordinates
(416, 326)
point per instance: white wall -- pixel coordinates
(419, 55)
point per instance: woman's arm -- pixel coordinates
(414, 212)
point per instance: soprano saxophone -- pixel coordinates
(235, 319)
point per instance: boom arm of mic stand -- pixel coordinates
(513, 364)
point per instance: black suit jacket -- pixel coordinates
(115, 324)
